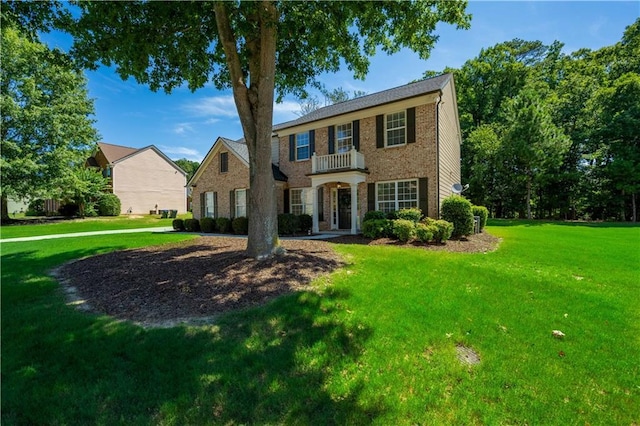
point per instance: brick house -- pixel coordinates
(144, 179)
(386, 151)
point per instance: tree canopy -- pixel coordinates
(46, 127)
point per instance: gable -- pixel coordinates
(156, 151)
(221, 144)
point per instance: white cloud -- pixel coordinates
(181, 152)
(217, 106)
(182, 128)
(285, 111)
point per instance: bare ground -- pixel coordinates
(195, 281)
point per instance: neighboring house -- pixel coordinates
(143, 179)
(395, 149)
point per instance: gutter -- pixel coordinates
(438, 154)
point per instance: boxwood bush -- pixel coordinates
(108, 205)
(208, 224)
(374, 215)
(413, 215)
(483, 213)
(223, 225)
(288, 223)
(240, 225)
(442, 230)
(404, 230)
(192, 225)
(178, 224)
(424, 232)
(457, 210)
(377, 228)
(305, 223)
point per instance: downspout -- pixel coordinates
(438, 155)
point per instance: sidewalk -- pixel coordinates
(87, 234)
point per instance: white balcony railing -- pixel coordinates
(345, 160)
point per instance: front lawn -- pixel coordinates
(376, 345)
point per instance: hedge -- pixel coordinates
(208, 224)
(192, 225)
(240, 225)
(483, 213)
(108, 205)
(223, 225)
(457, 210)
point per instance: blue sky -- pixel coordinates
(185, 124)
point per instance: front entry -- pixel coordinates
(344, 208)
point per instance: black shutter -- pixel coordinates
(332, 139)
(355, 135)
(371, 197)
(380, 131)
(286, 201)
(232, 204)
(202, 207)
(423, 196)
(215, 205)
(321, 204)
(246, 202)
(411, 125)
(312, 142)
(292, 147)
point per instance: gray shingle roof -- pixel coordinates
(240, 148)
(380, 98)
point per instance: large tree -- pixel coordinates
(46, 127)
(255, 48)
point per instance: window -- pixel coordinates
(224, 162)
(393, 196)
(396, 128)
(209, 205)
(302, 146)
(344, 137)
(301, 201)
(241, 203)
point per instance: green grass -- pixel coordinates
(376, 346)
(86, 225)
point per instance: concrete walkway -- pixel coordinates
(157, 230)
(87, 234)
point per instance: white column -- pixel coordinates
(315, 228)
(354, 208)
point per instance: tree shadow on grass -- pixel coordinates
(273, 364)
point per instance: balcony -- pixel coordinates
(350, 160)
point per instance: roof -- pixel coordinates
(117, 153)
(240, 150)
(410, 90)
(114, 153)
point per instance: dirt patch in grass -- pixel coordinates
(195, 281)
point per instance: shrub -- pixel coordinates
(208, 224)
(413, 215)
(404, 229)
(424, 233)
(69, 209)
(305, 223)
(178, 224)
(288, 224)
(223, 225)
(377, 228)
(240, 225)
(108, 205)
(392, 215)
(457, 210)
(442, 230)
(191, 225)
(483, 213)
(374, 215)
(36, 208)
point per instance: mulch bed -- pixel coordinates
(195, 281)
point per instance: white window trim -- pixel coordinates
(396, 201)
(237, 202)
(306, 198)
(386, 130)
(308, 145)
(338, 139)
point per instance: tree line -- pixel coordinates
(551, 135)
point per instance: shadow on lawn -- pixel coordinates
(274, 364)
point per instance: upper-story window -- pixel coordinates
(302, 146)
(396, 126)
(224, 162)
(344, 137)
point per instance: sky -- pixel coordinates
(185, 124)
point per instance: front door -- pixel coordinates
(344, 208)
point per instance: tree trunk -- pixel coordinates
(634, 217)
(5, 209)
(529, 197)
(255, 109)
